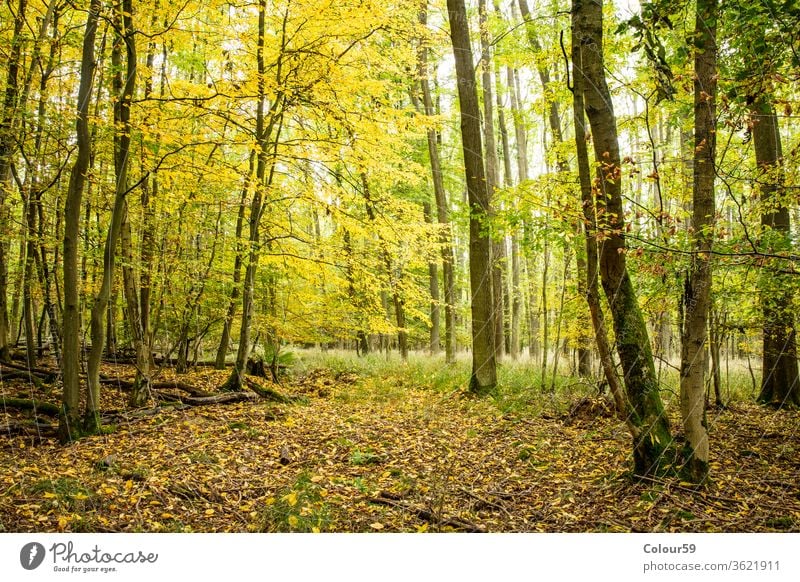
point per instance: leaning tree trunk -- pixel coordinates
(69, 420)
(632, 341)
(779, 381)
(697, 298)
(484, 367)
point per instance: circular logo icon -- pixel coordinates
(31, 555)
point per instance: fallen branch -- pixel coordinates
(30, 404)
(44, 372)
(429, 516)
(139, 413)
(29, 429)
(267, 393)
(219, 398)
(128, 385)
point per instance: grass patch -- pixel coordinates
(367, 457)
(299, 508)
(64, 492)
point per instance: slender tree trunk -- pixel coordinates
(433, 283)
(69, 423)
(391, 274)
(492, 181)
(267, 137)
(122, 141)
(139, 298)
(697, 300)
(7, 148)
(717, 337)
(632, 341)
(484, 372)
(362, 343)
(222, 350)
(525, 253)
(442, 211)
(30, 258)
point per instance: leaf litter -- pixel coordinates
(381, 454)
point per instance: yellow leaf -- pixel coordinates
(377, 525)
(48, 495)
(317, 478)
(291, 499)
(62, 522)
(422, 528)
(209, 512)
(314, 530)
(293, 520)
(128, 485)
(166, 516)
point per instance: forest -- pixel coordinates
(399, 265)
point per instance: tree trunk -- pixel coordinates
(265, 142)
(484, 371)
(69, 424)
(124, 89)
(391, 274)
(697, 299)
(652, 434)
(492, 181)
(30, 254)
(433, 284)
(780, 384)
(222, 350)
(7, 147)
(442, 211)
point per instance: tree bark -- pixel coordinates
(697, 298)
(69, 423)
(442, 211)
(780, 384)
(492, 182)
(484, 369)
(7, 148)
(122, 139)
(265, 141)
(433, 285)
(632, 342)
(222, 350)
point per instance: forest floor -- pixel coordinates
(387, 452)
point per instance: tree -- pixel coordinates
(590, 236)
(122, 145)
(484, 373)
(780, 380)
(697, 298)
(442, 211)
(630, 329)
(69, 420)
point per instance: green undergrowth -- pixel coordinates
(521, 389)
